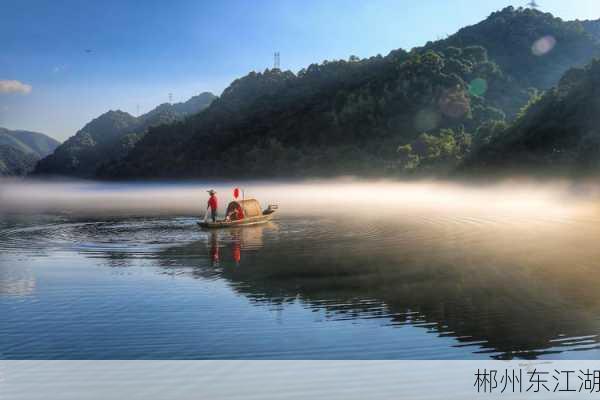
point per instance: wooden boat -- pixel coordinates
(253, 215)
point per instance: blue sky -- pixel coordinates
(143, 50)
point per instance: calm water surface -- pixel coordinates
(419, 273)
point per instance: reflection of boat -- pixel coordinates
(253, 215)
(238, 239)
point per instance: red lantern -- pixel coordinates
(236, 193)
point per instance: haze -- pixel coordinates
(348, 197)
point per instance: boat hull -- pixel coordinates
(261, 219)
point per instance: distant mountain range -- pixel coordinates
(110, 137)
(425, 110)
(20, 150)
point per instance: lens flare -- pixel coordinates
(478, 87)
(543, 45)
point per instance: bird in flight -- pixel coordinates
(88, 51)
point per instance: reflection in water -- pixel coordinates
(214, 249)
(19, 282)
(466, 289)
(236, 248)
(234, 239)
(499, 283)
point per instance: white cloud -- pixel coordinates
(7, 86)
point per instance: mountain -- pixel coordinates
(111, 136)
(20, 150)
(558, 133)
(377, 116)
(15, 162)
(533, 47)
(167, 113)
(29, 142)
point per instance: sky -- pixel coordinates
(65, 62)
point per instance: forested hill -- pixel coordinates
(110, 137)
(532, 47)
(560, 133)
(20, 150)
(376, 116)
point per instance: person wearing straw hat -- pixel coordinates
(212, 205)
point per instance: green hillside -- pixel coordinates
(559, 133)
(404, 112)
(22, 149)
(111, 136)
(532, 47)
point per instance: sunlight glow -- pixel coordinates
(543, 45)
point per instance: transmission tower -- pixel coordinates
(170, 97)
(276, 60)
(533, 4)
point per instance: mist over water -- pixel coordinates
(348, 269)
(331, 196)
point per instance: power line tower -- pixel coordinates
(276, 60)
(170, 97)
(137, 109)
(533, 4)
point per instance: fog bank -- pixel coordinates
(360, 198)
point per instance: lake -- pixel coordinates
(346, 270)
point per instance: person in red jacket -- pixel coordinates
(213, 205)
